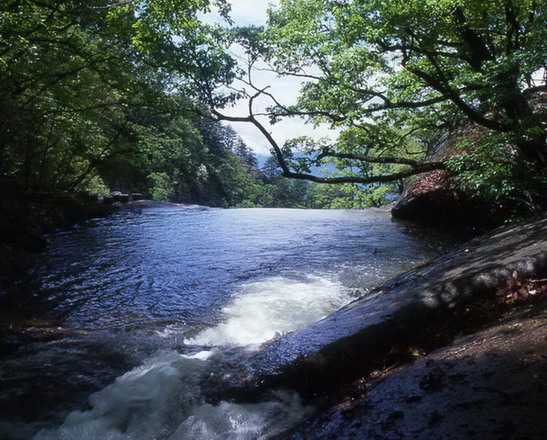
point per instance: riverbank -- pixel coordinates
(489, 384)
(476, 371)
(28, 215)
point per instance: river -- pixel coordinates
(126, 315)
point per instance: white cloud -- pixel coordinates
(245, 12)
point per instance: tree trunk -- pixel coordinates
(533, 142)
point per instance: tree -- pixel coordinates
(393, 75)
(271, 169)
(76, 78)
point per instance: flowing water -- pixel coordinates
(126, 316)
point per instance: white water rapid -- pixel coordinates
(268, 308)
(161, 398)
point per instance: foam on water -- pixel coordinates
(231, 421)
(264, 309)
(161, 398)
(141, 404)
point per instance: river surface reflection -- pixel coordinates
(150, 296)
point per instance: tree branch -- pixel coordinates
(453, 96)
(416, 168)
(385, 178)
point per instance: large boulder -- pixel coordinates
(436, 198)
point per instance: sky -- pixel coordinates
(253, 12)
(246, 12)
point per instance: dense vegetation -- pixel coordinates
(85, 101)
(105, 95)
(394, 76)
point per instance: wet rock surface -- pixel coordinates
(489, 385)
(337, 349)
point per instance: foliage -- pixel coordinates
(289, 193)
(349, 196)
(161, 187)
(111, 94)
(80, 82)
(392, 75)
(489, 166)
(87, 99)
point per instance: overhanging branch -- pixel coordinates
(385, 178)
(415, 167)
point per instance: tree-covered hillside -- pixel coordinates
(95, 96)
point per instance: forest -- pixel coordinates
(105, 96)
(132, 96)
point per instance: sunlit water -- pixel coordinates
(147, 304)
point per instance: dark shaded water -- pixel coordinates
(152, 297)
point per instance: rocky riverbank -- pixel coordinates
(367, 367)
(487, 385)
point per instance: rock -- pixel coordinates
(336, 349)
(435, 198)
(487, 385)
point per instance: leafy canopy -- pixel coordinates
(393, 75)
(77, 79)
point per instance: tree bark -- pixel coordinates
(533, 142)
